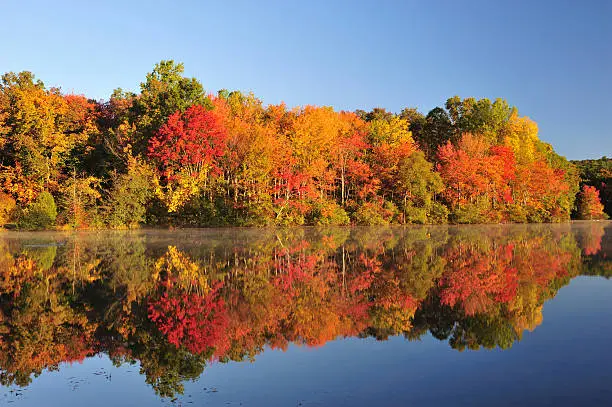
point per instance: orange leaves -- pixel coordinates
(473, 146)
(589, 204)
(502, 171)
(19, 185)
(465, 172)
(80, 114)
(478, 280)
(538, 185)
(475, 173)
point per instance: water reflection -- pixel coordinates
(177, 301)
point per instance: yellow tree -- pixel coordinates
(41, 128)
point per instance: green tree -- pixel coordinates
(436, 131)
(129, 195)
(416, 119)
(40, 214)
(419, 184)
(598, 173)
(479, 116)
(164, 92)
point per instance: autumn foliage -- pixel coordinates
(589, 204)
(178, 156)
(192, 141)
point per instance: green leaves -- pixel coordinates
(164, 92)
(40, 214)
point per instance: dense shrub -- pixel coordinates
(328, 213)
(129, 196)
(40, 214)
(370, 214)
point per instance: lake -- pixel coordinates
(499, 315)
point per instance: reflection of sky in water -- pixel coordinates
(564, 361)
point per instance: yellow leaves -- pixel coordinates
(188, 273)
(16, 183)
(254, 143)
(526, 308)
(42, 115)
(45, 126)
(86, 186)
(394, 131)
(7, 208)
(395, 319)
(183, 187)
(19, 270)
(315, 131)
(521, 134)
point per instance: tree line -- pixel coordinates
(173, 155)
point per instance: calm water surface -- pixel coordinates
(470, 315)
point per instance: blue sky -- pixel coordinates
(552, 59)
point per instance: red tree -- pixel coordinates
(191, 141)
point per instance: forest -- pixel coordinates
(176, 156)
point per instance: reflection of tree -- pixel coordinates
(194, 320)
(597, 246)
(165, 366)
(174, 308)
(592, 239)
(492, 290)
(478, 279)
(40, 324)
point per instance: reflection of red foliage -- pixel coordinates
(592, 240)
(294, 271)
(479, 280)
(364, 279)
(196, 321)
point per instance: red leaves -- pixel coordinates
(472, 170)
(479, 280)
(193, 320)
(80, 110)
(538, 185)
(193, 140)
(505, 156)
(464, 172)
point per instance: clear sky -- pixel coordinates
(552, 59)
